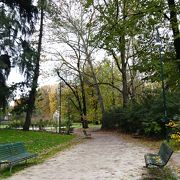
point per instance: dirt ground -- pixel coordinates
(104, 156)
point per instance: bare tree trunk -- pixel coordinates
(124, 79)
(81, 108)
(32, 95)
(112, 82)
(132, 73)
(122, 65)
(132, 89)
(95, 107)
(84, 109)
(98, 92)
(123, 61)
(175, 29)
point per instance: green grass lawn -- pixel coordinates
(44, 143)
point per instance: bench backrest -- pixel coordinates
(5, 151)
(17, 148)
(165, 153)
(11, 149)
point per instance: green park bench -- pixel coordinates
(13, 153)
(161, 158)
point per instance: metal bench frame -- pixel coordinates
(14, 153)
(161, 158)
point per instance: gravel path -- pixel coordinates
(104, 156)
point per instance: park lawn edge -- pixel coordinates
(43, 156)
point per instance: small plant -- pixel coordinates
(16, 124)
(155, 173)
(176, 137)
(42, 124)
(174, 126)
(67, 123)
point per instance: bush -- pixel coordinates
(145, 116)
(16, 124)
(67, 123)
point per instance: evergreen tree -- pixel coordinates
(16, 22)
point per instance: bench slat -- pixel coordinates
(20, 157)
(165, 153)
(18, 148)
(4, 151)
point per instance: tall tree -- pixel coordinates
(32, 93)
(16, 21)
(43, 102)
(53, 101)
(121, 21)
(5, 66)
(75, 29)
(175, 28)
(112, 36)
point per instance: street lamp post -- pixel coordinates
(165, 118)
(60, 99)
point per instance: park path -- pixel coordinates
(104, 156)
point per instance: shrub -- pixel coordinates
(174, 128)
(145, 116)
(16, 124)
(67, 123)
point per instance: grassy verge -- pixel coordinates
(44, 143)
(151, 142)
(156, 173)
(166, 173)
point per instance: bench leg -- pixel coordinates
(10, 170)
(26, 162)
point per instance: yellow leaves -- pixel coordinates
(171, 124)
(178, 170)
(157, 159)
(176, 136)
